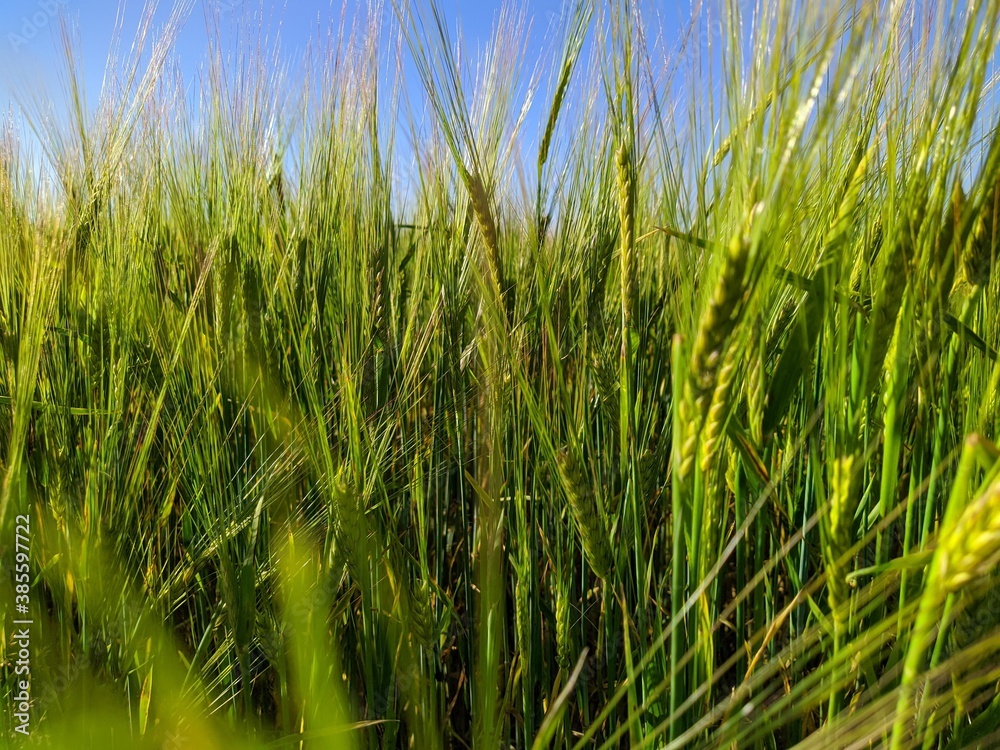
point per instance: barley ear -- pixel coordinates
(564, 656)
(626, 216)
(972, 548)
(586, 515)
(718, 411)
(889, 299)
(968, 550)
(714, 329)
(843, 504)
(482, 208)
(978, 255)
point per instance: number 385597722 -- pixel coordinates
(22, 538)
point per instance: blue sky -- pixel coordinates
(30, 55)
(32, 61)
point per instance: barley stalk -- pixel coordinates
(331, 438)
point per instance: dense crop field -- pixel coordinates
(668, 422)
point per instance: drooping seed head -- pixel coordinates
(586, 515)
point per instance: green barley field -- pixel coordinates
(648, 398)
